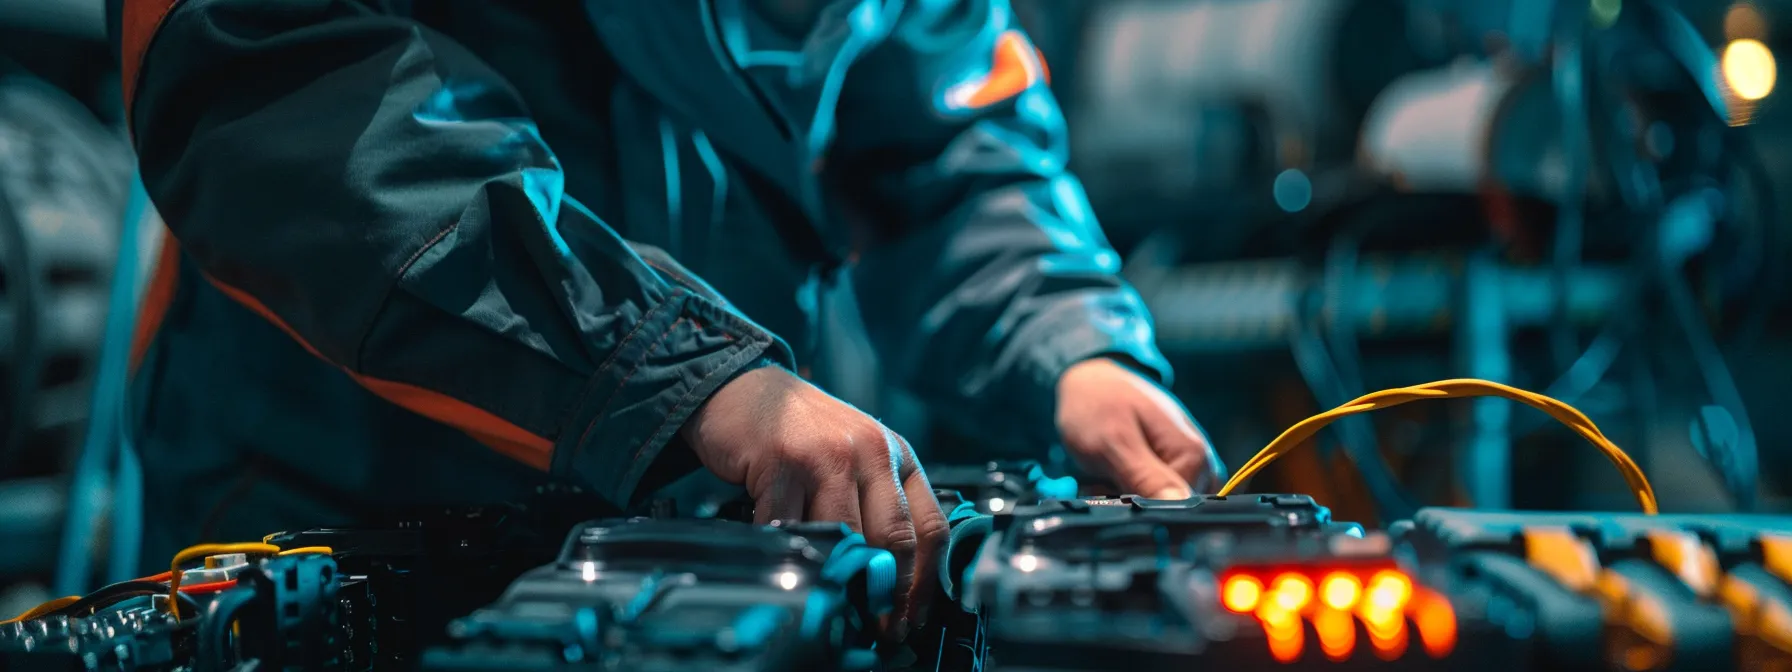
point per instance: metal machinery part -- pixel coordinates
(1255, 581)
(64, 179)
(1242, 130)
(1460, 128)
(63, 189)
(1272, 582)
(686, 595)
(1175, 100)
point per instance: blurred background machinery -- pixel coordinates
(65, 176)
(1318, 197)
(1571, 196)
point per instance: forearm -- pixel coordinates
(379, 194)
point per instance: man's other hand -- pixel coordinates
(804, 455)
(1118, 425)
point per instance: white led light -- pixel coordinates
(590, 571)
(1026, 562)
(996, 504)
(788, 580)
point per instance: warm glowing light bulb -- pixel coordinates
(1282, 630)
(1242, 593)
(1388, 591)
(1337, 633)
(1291, 592)
(1437, 625)
(1340, 590)
(1749, 69)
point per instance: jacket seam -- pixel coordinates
(591, 385)
(391, 288)
(630, 477)
(681, 403)
(597, 418)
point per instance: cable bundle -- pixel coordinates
(167, 582)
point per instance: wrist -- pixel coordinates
(1132, 364)
(692, 430)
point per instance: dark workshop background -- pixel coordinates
(1319, 198)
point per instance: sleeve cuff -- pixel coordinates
(680, 353)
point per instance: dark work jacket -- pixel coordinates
(424, 250)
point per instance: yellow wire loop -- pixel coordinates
(44, 608)
(202, 551)
(1445, 389)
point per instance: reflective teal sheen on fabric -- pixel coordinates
(468, 202)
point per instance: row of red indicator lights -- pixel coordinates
(1382, 604)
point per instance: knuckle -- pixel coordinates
(932, 528)
(902, 540)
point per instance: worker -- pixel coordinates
(431, 252)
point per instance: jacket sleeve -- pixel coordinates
(380, 195)
(982, 272)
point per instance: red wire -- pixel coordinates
(159, 578)
(213, 587)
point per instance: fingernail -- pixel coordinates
(901, 630)
(1173, 493)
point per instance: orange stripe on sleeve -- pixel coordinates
(141, 19)
(497, 433)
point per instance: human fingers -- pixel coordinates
(1136, 468)
(888, 522)
(931, 534)
(1182, 447)
(782, 499)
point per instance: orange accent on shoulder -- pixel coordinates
(163, 282)
(497, 433)
(1015, 67)
(140, 21)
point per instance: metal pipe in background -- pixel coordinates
(1483, 340)
(77, 18)
(1251, 305)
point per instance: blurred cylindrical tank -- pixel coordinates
(1175, 101)
(1149, 62)
(1464, 128)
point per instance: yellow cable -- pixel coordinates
(44, 608)
(202, 551)
(1444, 389)
(325, 550)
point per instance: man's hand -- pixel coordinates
(804, 455)
(1119, 425)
